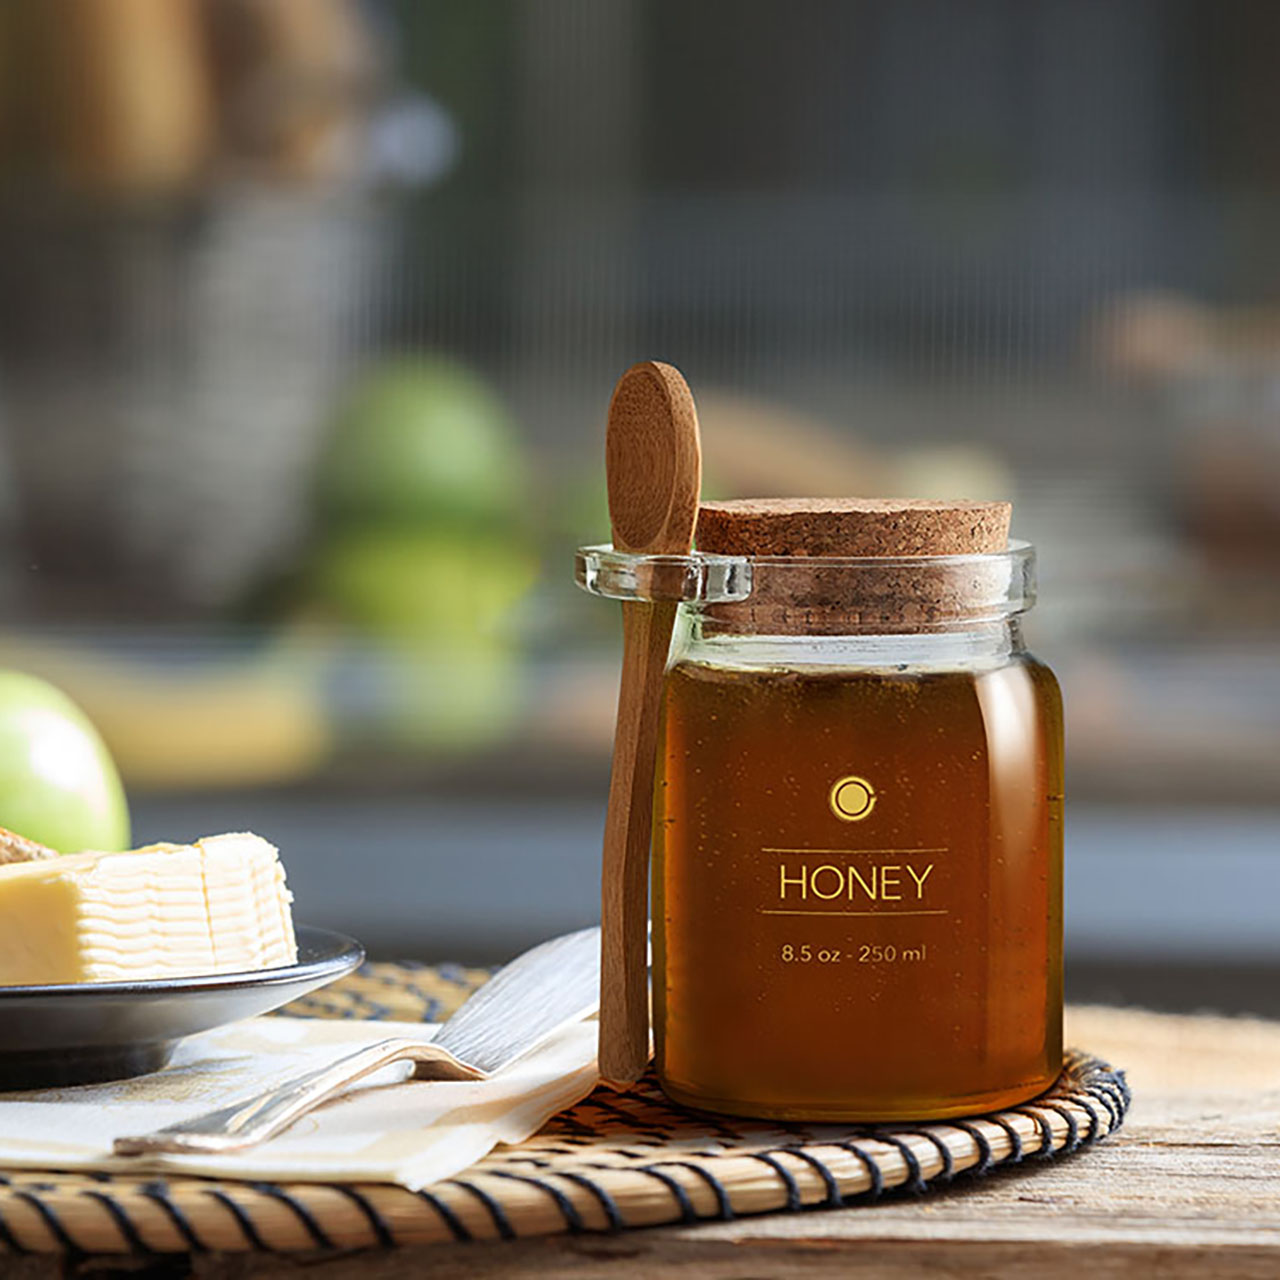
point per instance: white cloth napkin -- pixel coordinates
(386, 1129)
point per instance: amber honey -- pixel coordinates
(857, 884)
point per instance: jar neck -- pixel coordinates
(974, 646)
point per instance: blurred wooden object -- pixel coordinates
(11, 104)
(753, 447)
(1219, 369)
(1162, 336)
(294, 77)
(756, 447)
(123, 90)
(148, 96)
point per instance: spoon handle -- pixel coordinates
(624, 970)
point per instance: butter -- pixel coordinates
(217, 906)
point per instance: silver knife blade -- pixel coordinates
(526, 1002)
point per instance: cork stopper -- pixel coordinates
(852, 527)
(834, 593)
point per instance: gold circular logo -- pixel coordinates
(852, 798)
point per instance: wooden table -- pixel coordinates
(1190, 1187)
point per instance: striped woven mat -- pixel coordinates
(613, 1162)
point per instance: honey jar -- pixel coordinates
(857, 861)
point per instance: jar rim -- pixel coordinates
(702, 577)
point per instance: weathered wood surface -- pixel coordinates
(1190, 1187)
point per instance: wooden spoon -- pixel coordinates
(654, 463)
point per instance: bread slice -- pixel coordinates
(16, 848)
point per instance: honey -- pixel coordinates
(857, 889)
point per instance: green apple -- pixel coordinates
(422, 440)
(58, 784)
(440, 606)
(423, 586)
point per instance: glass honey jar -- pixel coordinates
(857, 861)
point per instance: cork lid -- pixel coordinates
(831, 566)
(852, 527)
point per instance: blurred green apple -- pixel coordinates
(423, 585)
(422, 440)
(58, 784)
(440, 604)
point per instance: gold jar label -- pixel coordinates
(851, 798)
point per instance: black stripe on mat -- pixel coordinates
(1111, 1097)
(1045, 1126)
(627, 1153)
(158, 1193)
(981, 1141)
(610, 1206)
(687, 1211)
(9, 1240)
(447, 1215)
(834, 1199)
(947, 1172)
(567, 1120)
(718, 1125)
(870, 1164)
(724, 1205)
(243, 1220)
(785, 1176)
(568, 1210)
(1125, 1094)
(1111, 1086)
(1015, 1138)
(122, 1220)
(1073, 1125)
(502, 1224)
(634, 1123)
(1089, 1104)
(915, 1177)
(300, 1211)
(378, 1224)
(50, 1220)
(1122, 1083)
(1106, 1101)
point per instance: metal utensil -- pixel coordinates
(549, 987)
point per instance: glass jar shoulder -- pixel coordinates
(975, 651)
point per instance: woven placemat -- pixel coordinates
(615, 1161)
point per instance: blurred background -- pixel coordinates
(309, 315)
